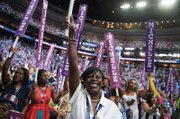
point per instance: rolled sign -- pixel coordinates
(100, 52)
(26, 19)
(60, 79)
(41, 32)
(80, 21)
(112, 61)
(168, 81)
(150, 46)
(79, 28)
(49, 56)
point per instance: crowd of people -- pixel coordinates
(87, 36)
(86, 94)
(32, 92)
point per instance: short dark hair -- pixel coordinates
(90, 70)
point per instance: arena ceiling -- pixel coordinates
(109, 10)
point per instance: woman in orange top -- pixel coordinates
(40, 97)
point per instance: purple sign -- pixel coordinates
(49, 56)
(80, 21)
(143, 78)
(168, 81)
(65, 68)
(79, 28)
(112, 60)
(59, 79)
(26, 19)
(78, 33)
(41, 31)
(150, 46)
(171, 86)
(82, 15)
(12, 114)
(100, 52)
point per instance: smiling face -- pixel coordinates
(94, 83)
(43, 77)
(106, 83)
(154, 99)
(132, 85)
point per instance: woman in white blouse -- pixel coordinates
(131, 99)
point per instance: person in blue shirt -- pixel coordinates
(18, 85)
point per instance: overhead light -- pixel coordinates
(125, 6)
(142, 54)
(167, 2)
(129, 48)
(141, 4)
(127, 53)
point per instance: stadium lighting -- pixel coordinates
(127, 53)
(142, 54)
(129, 48)
(166, 3)
(141, 4)
(125, 6)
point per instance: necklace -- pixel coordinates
(42, 94)
(95, 100)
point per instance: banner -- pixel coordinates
(88, 44)
(150, 46)
(100, 52)
(118, 54)
(168, 80)
(60, 79)
(26, 19)
(79, 28)
(80, 21)
(112, 60)
(143, 78)
(49, 56)
(171, 85)
(65, 68)
(41, 32)
(12, 114)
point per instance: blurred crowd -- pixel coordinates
(35, 93)
(87, 36)
(25, 57)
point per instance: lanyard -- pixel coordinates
(88, 109)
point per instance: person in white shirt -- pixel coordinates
(87, 98)
(151, 107)
(131, 98)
